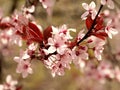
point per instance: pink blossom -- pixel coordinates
(90, 10)
(58, 63)
(24, 65)
(109, 30)
(48, 5)
(79, 56)
(105, 70)
(27, 11)
(9, 84)
(117, 73)
(109, 3)
(97, 45)
(32, 47)
(57, 43)
(64, 31)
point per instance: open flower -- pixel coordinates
(90, 10)
(9, 84)
(109, 3)
(48, 5)
(24, 65)
(57, 43)
(97, 45)
(109, 30)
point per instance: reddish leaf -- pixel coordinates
(35, 31)
(33, 36)
(89, 22)
(47, 33)
(4, 26)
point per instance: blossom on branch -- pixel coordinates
(90, 10)
(109, 3)
(9, 84)
(24, 65)
(109, 30)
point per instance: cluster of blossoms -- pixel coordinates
(10, 84)
(56, 48)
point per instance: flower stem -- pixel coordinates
(91, 28)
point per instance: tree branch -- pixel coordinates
(92, 26)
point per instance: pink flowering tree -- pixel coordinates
(91, 50)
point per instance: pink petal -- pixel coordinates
(92, 5)
(51, 49)
(8, 79)
(103, 2)
(85, 6)
(83, 16)
(50, 41)
(110, 4)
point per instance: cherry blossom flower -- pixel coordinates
(48, 5)
(109, 30)
(57, 43)
(24, 65)
(109, 3)
(79, 56)
(97, 45)
(90, 10)
(117, 73)
(58, 63)
(9, 84)
(105, 70)
(27, 11)
(63, 30)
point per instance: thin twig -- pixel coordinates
(92, 26)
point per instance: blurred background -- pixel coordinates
(64, 12)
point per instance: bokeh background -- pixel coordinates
(64, 12)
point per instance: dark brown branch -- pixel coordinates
(92, 26)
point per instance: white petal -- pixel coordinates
(92, 5)
(24, 74)
(109, 22)
(30, 70)
(85, 6)
(51, 49)
(109, 35)
(110, 4)
(113, 31)
(83, 16)
(14, 83)
(103, 2)
(1, 87)
(61, 50)
(55, 30)
(31, 9)
(50, 41)
(8, 79)
(17, 59)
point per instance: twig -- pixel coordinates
(92, 26)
